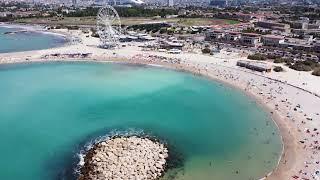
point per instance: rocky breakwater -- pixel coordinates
(125, 158)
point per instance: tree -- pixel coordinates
(206, 50)
(316, 72)
(257, 56)
(278, 69)
(288, 61)
(307, 65)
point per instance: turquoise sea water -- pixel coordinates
(25, 41)
(48, 112)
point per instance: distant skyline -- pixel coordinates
(166, 2)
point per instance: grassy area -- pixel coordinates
(90, 21)
(59, 21)
(205, 21)
(230, 21)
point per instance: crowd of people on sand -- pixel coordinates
(275, 93)
(66, 55)
(278, 96)
(142, 58)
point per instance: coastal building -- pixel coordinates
(171, 16)
(247, 39)
(232, 36)
(256, 66)
(183, 12)
(144, 37)
(297, 44)
(313, 26)
(5, 14)
(298, 32)
(302, 23)
(171, 45)
(174, 51)
(128, 38)
(272, 40)
(67, 11)
(138, 37)
(250, 39)
(170, 3)
(24, 14)
(316, 46)
(214, 35)
(299, 25)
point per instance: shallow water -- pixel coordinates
(26, 41)
(48, 112)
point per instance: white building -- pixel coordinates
(250, 39)
(5, 14)
(255, 65)
(232, 36)
(272, 40)
(215, 35)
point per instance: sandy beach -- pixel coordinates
(290, 97)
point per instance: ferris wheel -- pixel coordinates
(108, 26)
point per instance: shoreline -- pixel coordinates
(39, 29)
(32, 28)
(278, 98)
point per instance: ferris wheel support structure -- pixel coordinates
(108, 26)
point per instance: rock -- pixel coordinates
(125, 158)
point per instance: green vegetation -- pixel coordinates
(205, 21)
(296, 12)
(144, 12)
(316, 72)
(231, 21)
(278, 69)
(206, 50)
(150, 27)
(283, 60)
(231, 17)
(124, 12)
(307, 65)
(63, 21)
(89, 11)
(272, 56)
(127, 21)
(257, 56)
(193, 21)
(300, 67)
(256, 31)
(5, 19)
